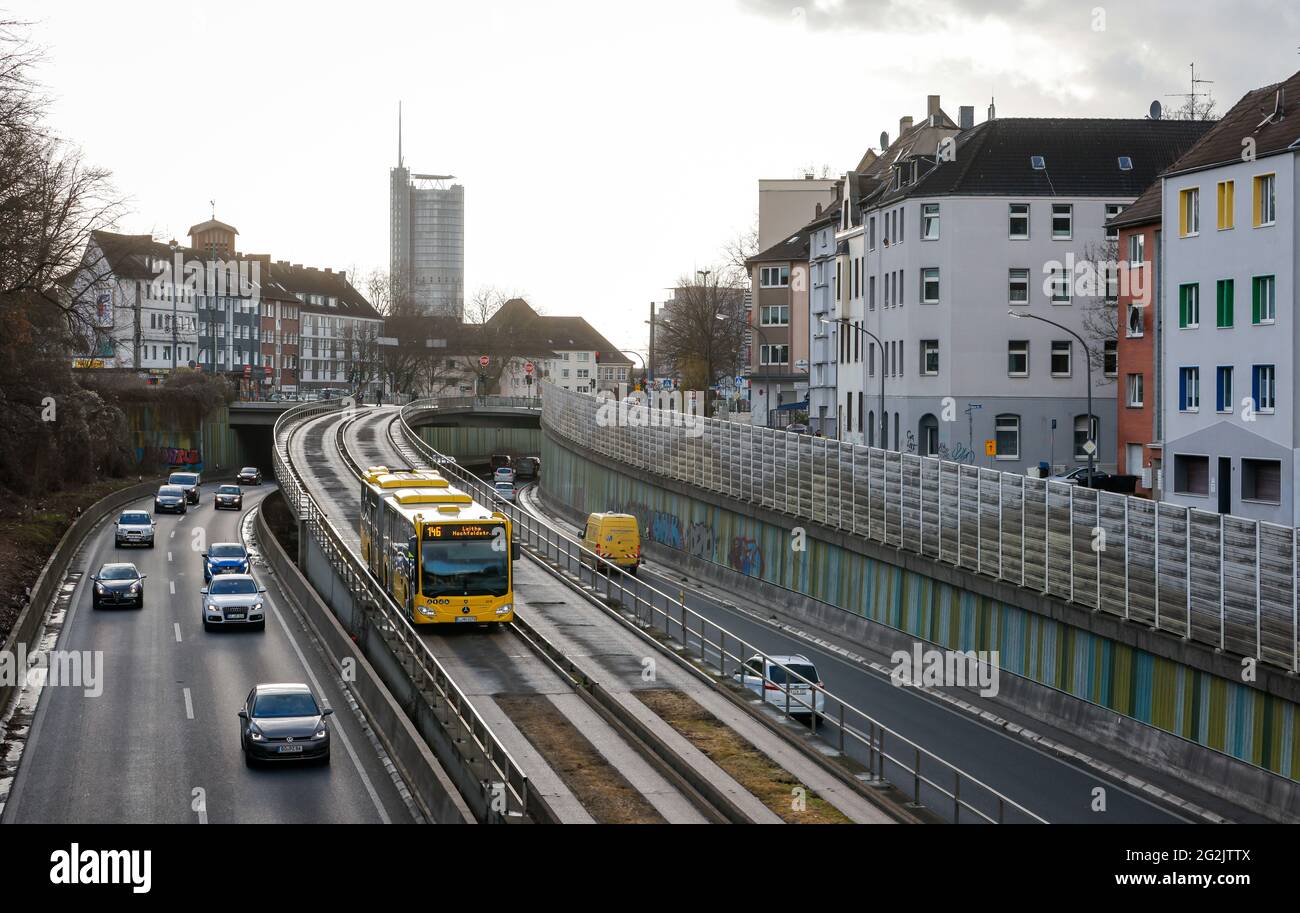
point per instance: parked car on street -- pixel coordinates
(1079, 476)
(233, 600)
(170, 499)
(134, 527)
(117, 585)
(228, 497)
(283, 722)
(768, 680)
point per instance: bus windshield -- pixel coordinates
(466, 567)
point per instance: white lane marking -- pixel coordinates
(169, 556)
(337, 729)
(172, 585)
(189, 705)
(178, 632)
(199, 803)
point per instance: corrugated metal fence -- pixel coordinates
(1218, 580)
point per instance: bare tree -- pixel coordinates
(702, 334)
(503, 338)
(735, 252)
(1101, 320)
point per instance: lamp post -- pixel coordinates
(884, 427)
(1090, 445)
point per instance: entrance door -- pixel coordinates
(1225, 485)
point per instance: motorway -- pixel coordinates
(1047, 785)
(161, 743)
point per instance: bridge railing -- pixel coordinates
(1224, 581)
(505, 785)
(458, 403)
(889, 756)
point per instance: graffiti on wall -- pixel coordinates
(746, 556)
(171, 456)
(700, 541)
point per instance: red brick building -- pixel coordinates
(1139, 433)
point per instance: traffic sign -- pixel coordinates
(484, 361)
(1089, 448)
(528, 368)
(990, 447)
(248, 370)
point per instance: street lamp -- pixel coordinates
(1090, 446)
(884, 427)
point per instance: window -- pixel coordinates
(775, 315)
(1061, 358)
(1223, 388)
(1018, 286)
(1018, 222)
(1189, 389)
(871, 293)
(1081, 436)
(1226, 191)
(1191, 474)
(1110, 358)
(774, 355)
(1265, 200)
(774, 276)
(871, 233)
(1062, 221)
(1135, 321)
(1137, 245)
(1038, 163)
(1189, 212)
(1134, 389)
(1263, 388)
(930, 285)
(1018, 358)
(929, 357)
(1189, 306)
(1060, 285)
(1261, 480)
(1125, 163)
(1112, 210)
(1007, 434)
(1223, 303)
(1263, 299)
(930, 222)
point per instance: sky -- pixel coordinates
(606, 149)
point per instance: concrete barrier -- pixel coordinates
(32, 618)
(438, 798)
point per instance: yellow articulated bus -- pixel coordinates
(441, 556)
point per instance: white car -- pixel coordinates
(767, 679)
(134, 527)
(233, 600)
(504, 474)
(505, 491)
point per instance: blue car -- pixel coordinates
(225, 558)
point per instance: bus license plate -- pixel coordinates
(465, 621)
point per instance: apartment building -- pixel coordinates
(1007, 221)
(1139, 428)
(339, 331)
(1228, 305)
(778, 324)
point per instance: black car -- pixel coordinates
(249, 475)
(170, 499)
(228, 497)
(117, 585)
(188, 481)
(283, 723)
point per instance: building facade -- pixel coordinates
(778, 321)
(427, 240)
(1230, 250)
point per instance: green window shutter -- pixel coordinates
(1254, 300)
(1182, 306)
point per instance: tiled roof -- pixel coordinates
(559, 334)
(1142, 211)
(794, 247)
(1249, 119)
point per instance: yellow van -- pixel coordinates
(616, 538)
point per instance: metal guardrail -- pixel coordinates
(448, 403)
(1224, 581)
(481, 751)
(889, 755)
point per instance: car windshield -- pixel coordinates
(228, 587)
(249, 470)
(119, 572)
(227, 551)
(464, 568)
(505, 486)
(170, 491)
(136, 518)
(182, 478)
(281, 706)
(777, 675)
(228, 490)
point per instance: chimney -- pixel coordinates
(966, 117)
(904, 124)
(343, 274)
(931, 105)
(818, 212)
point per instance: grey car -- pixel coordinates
(134, 527)
(283, 722)
(170, 499)
(233, 601)
(190, 481)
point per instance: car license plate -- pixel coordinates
(465, 620)
(234, 616)
(290, 749)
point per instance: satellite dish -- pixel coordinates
(884, 141)
(1155, 110)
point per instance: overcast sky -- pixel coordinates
(605, 148)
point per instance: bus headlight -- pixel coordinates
(506, 609)
(425, 610)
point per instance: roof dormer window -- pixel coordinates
(1038, 163)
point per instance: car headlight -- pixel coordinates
(255, 735)
(320, 733)
(99, 588)
(135, 587)
(257, 607)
